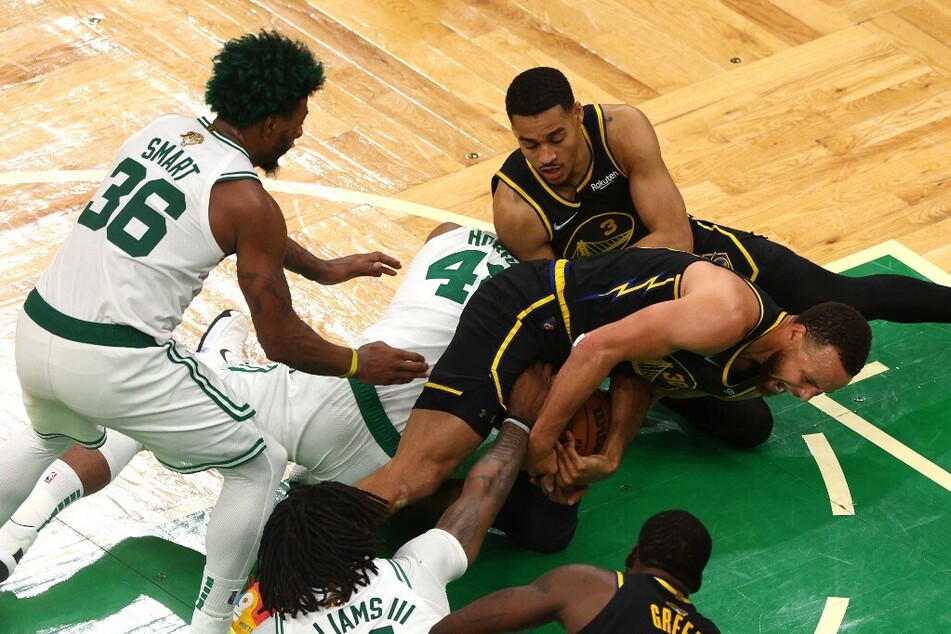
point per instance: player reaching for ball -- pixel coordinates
(662, 570)
(319, 566)
(685, 326)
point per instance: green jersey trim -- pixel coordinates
(374, 416)
(208, 125)
(62, 325)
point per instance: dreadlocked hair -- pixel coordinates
(842, 327)
(677, 542)
(256, 76)
(318, 547)
(536, 90)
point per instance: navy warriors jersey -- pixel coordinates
(644, 604)
(600, 290)
(143, 246)
(600, 218)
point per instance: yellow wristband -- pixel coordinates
(353, 365)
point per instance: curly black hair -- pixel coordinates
(318, 547)
(842, 327)
(536, 90)
(256, 76)
(677, 542)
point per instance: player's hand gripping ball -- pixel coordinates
(589, 426)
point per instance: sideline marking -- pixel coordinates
(837, 487)
(898, 251)
(840, 497)
(335, 194)
(832, 615)
(882, 440)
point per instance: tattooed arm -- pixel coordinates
(486, 487)
(490, 479)
(248, 222)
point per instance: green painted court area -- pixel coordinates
(782, 561)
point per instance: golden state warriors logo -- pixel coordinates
(666, 373)
(191, 138)
(719, 258)
(601, 233)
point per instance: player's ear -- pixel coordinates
(577, 111)
(632, 563)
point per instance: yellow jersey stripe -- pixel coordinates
(444, 388)
(560, 292)
(494, 370)
(521, 192)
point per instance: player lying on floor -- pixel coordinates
(662, 570)
(319, 566)
(338, 429)
(691, 326)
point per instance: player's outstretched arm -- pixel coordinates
(303, 262)
(246, 220)
(516, 609)
(490, 479)
(631, 397)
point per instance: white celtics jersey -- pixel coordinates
(142, 247)
(424, 312)
(317, 419)
(407, 595)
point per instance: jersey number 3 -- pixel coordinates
(138, 227)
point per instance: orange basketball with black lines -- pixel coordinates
(590, 424)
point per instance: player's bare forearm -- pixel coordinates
(486, 487)
(581, 374)
(509, 610)
(337, 270)
(630, 400)
(301, 261)
(284, 337)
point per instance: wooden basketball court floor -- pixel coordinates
(825, 125)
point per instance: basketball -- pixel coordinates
(589, 426)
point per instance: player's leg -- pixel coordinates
(434, 443)
(78, 473)
(25, 456)
(742, 424)
(534, 522)
(796, 284)
(233, 534)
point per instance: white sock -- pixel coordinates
(58, 487)
(204, 624)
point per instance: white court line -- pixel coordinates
(832, 615)
(898, 251)
(883, 441)
(335, 194)
(840, 498)
(870, 370)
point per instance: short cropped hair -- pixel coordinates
(262, 75)
(842, 327)
(536, 90)
(677, 542)
(318, 547)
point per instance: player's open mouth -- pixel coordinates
(551, 173)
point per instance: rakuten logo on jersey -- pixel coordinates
(604, 182)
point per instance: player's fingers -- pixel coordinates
(388, 260)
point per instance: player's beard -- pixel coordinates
(765, 372)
